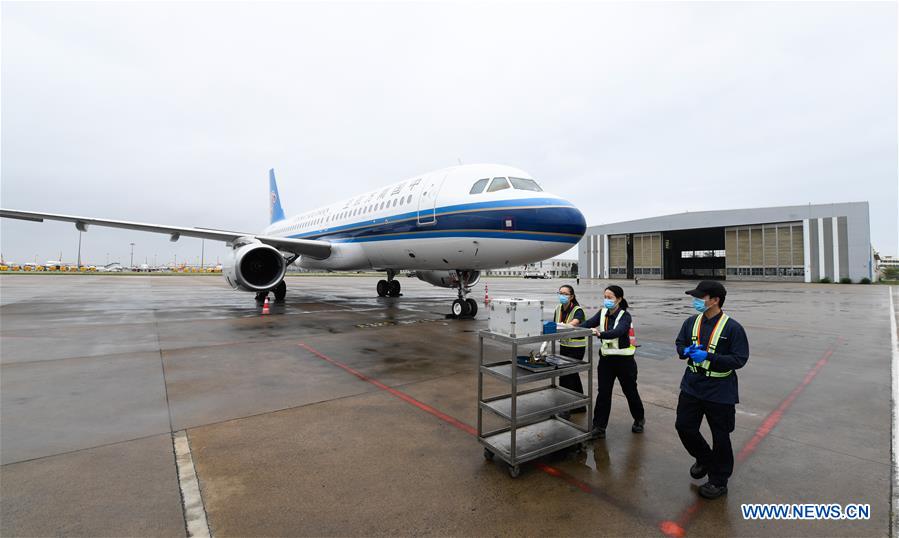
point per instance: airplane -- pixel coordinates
(446, 226)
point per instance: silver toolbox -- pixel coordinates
(516, 317)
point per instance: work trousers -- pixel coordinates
(573, 381)
(624, 369)
(719, 459)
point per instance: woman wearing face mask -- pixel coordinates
(571, 313)
(616, 361)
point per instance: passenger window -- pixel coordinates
(478, 186)
(498, 184)
(524, 184)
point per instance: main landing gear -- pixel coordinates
(280, 292)
(389, 287)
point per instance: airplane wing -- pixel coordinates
(306, 247)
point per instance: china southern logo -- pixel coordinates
(271, 205)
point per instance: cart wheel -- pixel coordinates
(488, 455)
(514, 471)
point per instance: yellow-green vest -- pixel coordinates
(703, 368)
(570, 342)
(610, 345)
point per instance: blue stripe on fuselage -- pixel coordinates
(547, 219)
(427, 234)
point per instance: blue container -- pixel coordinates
(549, 327)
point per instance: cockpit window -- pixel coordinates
(498, 184)
(523, 184)
(478, 186)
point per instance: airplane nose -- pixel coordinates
(569, 220)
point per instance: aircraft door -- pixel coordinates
(427, 200)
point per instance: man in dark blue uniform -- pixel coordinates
(714, 346)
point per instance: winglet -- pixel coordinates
(275, 211)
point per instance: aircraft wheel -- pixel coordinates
(260, 296)
(382, 288)
(460, 308)
(472, 307)
(280, 291)
(393, 288)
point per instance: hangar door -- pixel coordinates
(648, 255)
(765, 252)
(618, 256)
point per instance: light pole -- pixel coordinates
(132, 256)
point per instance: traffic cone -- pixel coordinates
(633, 336)
(265, 308)
(486, 296)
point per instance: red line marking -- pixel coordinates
(677, 528)
(399, 394)
(548, 469)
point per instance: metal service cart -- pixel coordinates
(534, 428)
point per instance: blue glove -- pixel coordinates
(688, 351)
(699, 355)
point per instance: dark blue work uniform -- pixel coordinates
(712, 397)
(613, 367)
(573, 381)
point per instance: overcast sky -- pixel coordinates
(172, 113)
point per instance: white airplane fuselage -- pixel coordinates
(435, 222)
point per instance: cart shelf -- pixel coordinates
(534, 428)
(536, 404)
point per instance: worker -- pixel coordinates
(571, 313)
(612, 326)
(714, 346)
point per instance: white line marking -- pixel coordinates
(194, 512)
(894, 339)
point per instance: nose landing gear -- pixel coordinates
(465, 307)
(389, 287)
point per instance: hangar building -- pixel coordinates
(792, 243)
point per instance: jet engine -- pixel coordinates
(449, 279)
(255, 267)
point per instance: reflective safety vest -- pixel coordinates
(570, 342)
(713, 344)
(610, 345)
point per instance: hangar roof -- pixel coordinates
(735, 217)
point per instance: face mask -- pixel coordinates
(609, 303)
(699, 305)
(563, 299)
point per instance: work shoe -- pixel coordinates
(638, 426)
(598, 433)
(711, 491)
(698, 470)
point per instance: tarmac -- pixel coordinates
(345, 414)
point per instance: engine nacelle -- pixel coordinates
(449, 279)
(255, 267)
